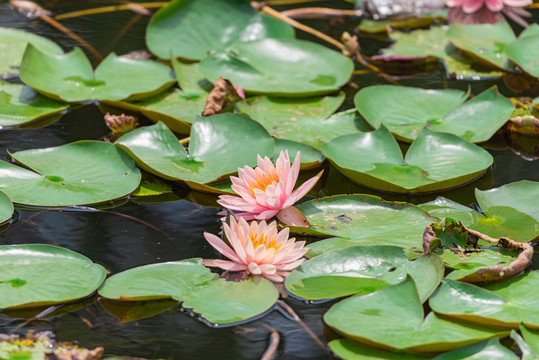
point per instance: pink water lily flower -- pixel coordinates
(471, 6)
(487, 11)
(258, 249)
(266, 191)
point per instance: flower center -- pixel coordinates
(262, 181)
(263, 240)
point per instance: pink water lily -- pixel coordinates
(471, 6)
(266, 191)
(258, 248)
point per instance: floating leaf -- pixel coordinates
(461, 250)
(490, 349)
(351, 350)
(525, 51)
(280, 67)
(84, 172)
(6, 208)
(309, 156)
(20, 104)
(504, 303)
(434, 161)
(219, 145)
(412, 22)
(527, 351)
(358, 269)
(362, 220)
(190, 29)
(69, 77)
(191, 283)
(176, 108)
(412, 109)
(532, 338)
(38, 275)
(12, 45)
(307, 120)
(427, 272)
(390, 316)
(423, 44)
(484, 41)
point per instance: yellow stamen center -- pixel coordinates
(263, 182)
(262, 240)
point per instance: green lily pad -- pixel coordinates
(219, 145)
(484, 41)
(307, 120)
(490, 349)
(12, 45)
(412, 109)
(20, 104)
(462, 250)
(442, 207)
(84, 172)
(176, 108)
(381, 26)
(358, 269)
(434, 161)
(69, 77)
(190, 29)
(505, 303)
(188, 281)
(393, 318)
(38, 275)
(525, 51)
(434, 42)
(532, 338)
(280, 67)
(309, 156)
(362, 220)
(427, 272)
(351, 350)
(6, 208)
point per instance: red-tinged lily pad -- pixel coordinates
(70, 77)
(525, 51)
(393, 318)
(219, 145)
(405, 111)
(199, 290)
(465, 251)
(505, 303)
(362, 220)
(435, 161)
(191, 28)
(80, 173)
(39, 275)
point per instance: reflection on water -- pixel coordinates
(122, 238)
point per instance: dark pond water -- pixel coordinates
(120, 238)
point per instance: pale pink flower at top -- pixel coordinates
(266, 191)
(258, 249)
(487, 11)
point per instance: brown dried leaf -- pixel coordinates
(29, 9)
(222, 94)
(120, 123)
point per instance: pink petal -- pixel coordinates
(302, 190)
(290, 266)
(293, 217)
(275, 278)
(471, 6)
(267, 269)
(220, 246)
(453, 3)
(517, 3)
(494, 5)
(254, 269)
(224, 264)
(293, 174)
(266, 215)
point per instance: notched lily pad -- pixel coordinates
(191, 28)
(461, 250)
(190, 282)
(12, 45)
(280, 67)
(20, 104)
(405, 111)
(219, 145)
(70, 77)
(390, 316)
(505, 303)
(435, 161)
(80, 173)
(38, 275)
(362, 220)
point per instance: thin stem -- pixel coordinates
(72, 35)
(107, 9)
(295, 316)
(319, 12)
(297, 25)
(185, 140)
(273, 345)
